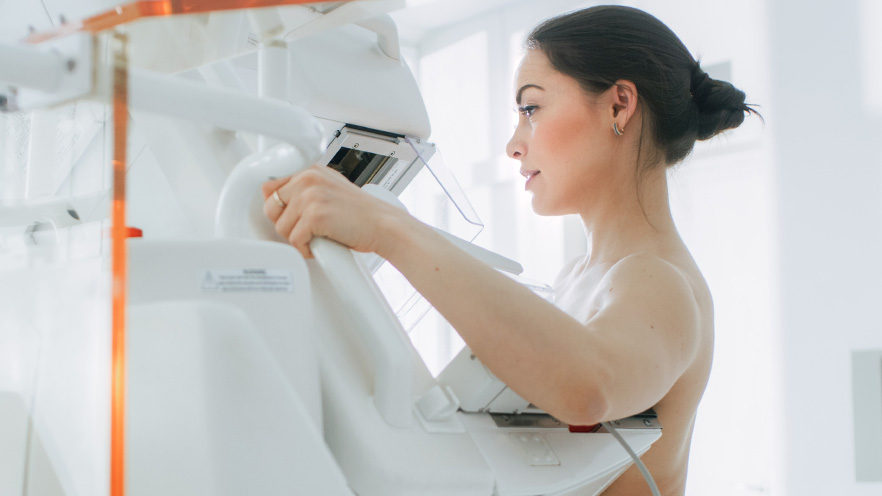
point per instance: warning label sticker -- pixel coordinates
(247, 281)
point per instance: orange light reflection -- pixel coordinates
(142, 9)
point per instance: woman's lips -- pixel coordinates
(529, 174)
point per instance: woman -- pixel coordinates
(608, 99)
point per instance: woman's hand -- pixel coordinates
(321, 202)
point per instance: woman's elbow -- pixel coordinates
(589, 406)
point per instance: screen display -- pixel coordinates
(359, 166)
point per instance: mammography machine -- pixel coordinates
(247, 369)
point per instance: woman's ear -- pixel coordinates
(624, 102)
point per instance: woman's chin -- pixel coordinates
(542, 208)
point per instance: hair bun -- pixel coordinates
(720, 105)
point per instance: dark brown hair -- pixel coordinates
(600, 45)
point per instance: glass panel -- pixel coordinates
(436, 198)
(54, 289)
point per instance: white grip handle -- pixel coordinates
(240, 207)
(381, 331)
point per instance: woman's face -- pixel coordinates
(564, 138)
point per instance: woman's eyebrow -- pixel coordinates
(521, 91)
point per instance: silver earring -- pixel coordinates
(616, 129)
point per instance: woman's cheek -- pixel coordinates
(567, 133)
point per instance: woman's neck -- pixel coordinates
(635, 218)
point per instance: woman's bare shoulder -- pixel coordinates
(678, 272)
(647, 268)
(566, 272)
(652, 286)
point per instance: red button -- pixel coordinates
(584, 428)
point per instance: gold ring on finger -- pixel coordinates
(279, 200)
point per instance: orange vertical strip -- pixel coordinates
(119, 258)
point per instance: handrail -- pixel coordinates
(238, 214)
(380, 330)
(227, 109)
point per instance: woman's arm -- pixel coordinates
(620, 362)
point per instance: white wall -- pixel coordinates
(827, 159)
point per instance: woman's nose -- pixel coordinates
(515, 147)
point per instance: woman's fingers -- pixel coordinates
(275, 200)
(287, 199)
(287, 219)
(273, 208)
(321, 202)
(300, 237)
(279, 193)
(272, 185)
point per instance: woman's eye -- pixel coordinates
(528, 110)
